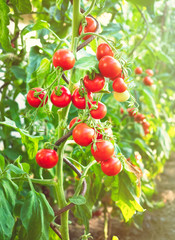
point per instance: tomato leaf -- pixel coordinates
(85, 65)
(4, 22)
(31, 142)
(8, 190)
(125, 193)
(78, 200)
(2, 162)
(83, 213)
(43, 71)
(24, 6)
(36, 215)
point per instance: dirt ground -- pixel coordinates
(157, 225)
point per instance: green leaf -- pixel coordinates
(164, 57)
(85, 65)
(94, 45)
(142, 2)
(146, 93)
(24, 6)
(36, 216)
(139, 142)
(4, 22)
(40, 25)
(8, 191)
(125, 193)
(18, 72)
(43, 71)
(14, 169)
(30, 142)
(164, 141)
(78, 200)
(83, 213)
(2, 162)
(100, 3)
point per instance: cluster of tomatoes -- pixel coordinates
(102, 150)
(147, 80)
(139, 118)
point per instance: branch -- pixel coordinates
(54, 228)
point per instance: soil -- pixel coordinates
(158, 224)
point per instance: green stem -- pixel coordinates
(34, 180)
(90, 8)
(77, 191)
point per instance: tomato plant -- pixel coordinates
(79, 101)
(34, 99)
(99, 112)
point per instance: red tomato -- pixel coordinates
(149, 72)
(104, 150)
(119, 85)
(83, 134)
(148, 81)
(139, 117)
(109, 67)
(145, 125)
(94, 85)
(46, 158)
(63, 100)
(79, 101)
(36, 101)
(73, 121)
(111, 166)
(131, 112)
(121, 110)
(100, 112)
(104, 50)
(63, 58)
(146, 131)
(138, 70)
(120, 75)
(90, 27)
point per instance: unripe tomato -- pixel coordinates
(63, 58)
(122, 97)
(104, 150)
(131, 112)
(73, 121)
(83, 134)
(79, 101)
(148, 81)
(90, 27)
(149, 72)
(36, 101)
(100, 112)
(119, 85)
(94, 85)
(47, 158)
(104, 50)
(138, 70)
(111, 166)
(109, 67)
(63, 100)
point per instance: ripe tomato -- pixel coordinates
(63, 58)
(104, 50)
(109, 67)
(120, 75)
(90, 27)
(149, 72)
(122, 97)
(148, 81)
(79, 101)
(63, 100)
(73, 121)
(36, 101)
(121, 110)
(138, 70)
(119, 85)
(139, 117)
(47, 158)
(100, 112)
(104, 150)
(111, 166)
(146, 131)
(145, 124)
(131, 112)
(94, 85)
(83, 134)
